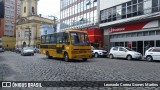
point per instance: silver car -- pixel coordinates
(27, 51)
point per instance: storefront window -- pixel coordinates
(122, 44)
(158, 43)
(134, 46)
(158, 32)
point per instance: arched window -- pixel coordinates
(33, 10)
(24, 9)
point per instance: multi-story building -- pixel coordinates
(82, 15)
(9, 11)
(78, 14)
(130, 23)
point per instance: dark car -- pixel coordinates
(1, 50)
(18, 50)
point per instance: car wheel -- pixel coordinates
(111, 56)
(84, 59)
(96, 55)
(129, 57)
(66, 57)
(149, 58)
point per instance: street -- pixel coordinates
(14, 67)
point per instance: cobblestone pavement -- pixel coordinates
(14, 67)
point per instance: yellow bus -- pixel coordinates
(69, 45)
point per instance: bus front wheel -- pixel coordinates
(66, 57)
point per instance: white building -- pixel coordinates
(46, 29)
(130, 23)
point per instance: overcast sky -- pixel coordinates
(49, 7)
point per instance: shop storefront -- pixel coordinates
(138, 36)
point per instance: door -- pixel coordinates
(122, 53)
(155, 54)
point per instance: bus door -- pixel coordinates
(59, 44)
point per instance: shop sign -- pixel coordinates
(135, 26)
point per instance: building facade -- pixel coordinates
(78, 14)
(28, 25)
(130, 23)
(9, 11)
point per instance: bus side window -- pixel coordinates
(65, 38)
(43, 39)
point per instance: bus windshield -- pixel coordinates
(78, 38)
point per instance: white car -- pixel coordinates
(27, 51)
(152, 53)
(124, 52)
(98, 52)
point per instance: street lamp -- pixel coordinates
(29, 36)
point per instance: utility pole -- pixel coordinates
(55, 24)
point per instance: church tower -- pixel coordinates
(28, 25)
(29, 7)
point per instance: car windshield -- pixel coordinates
(28, 48)
(129, 49)
(79, 38)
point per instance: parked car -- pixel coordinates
(18, 50)
(124, 52)
(152, 53)
(1, 50)
(36, 50)
(98, 52)
(27, 51)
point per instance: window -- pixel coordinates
(155, 5)
(129, 9)
(48, 39)
(119, 12)
(156, 50)
(121, 49)
(114, 13)
(115, 48)
(43, 39)
(53, 39)
(145, 33)
(139, 34)
(24, 9)
(152, 33)
(158, 32)
(124, 10)
(33, 10)
(148, 7)
(158, 43)
(140, 8)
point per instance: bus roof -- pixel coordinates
(68, 31)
